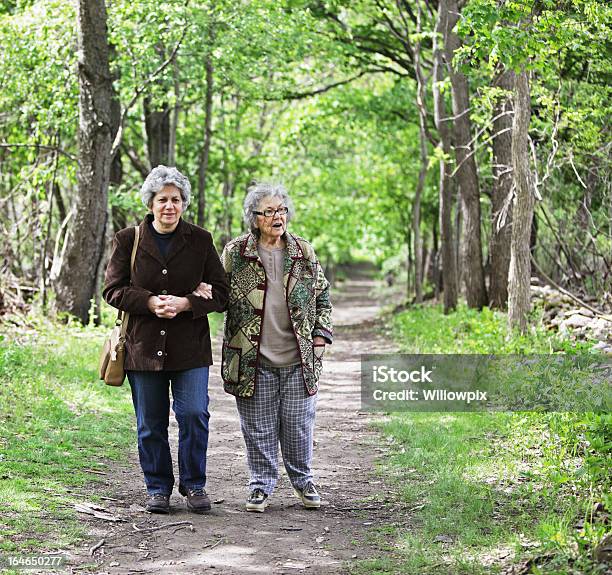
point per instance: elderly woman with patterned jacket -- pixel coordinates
(277, 324)
(168, 338)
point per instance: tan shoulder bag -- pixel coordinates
(112, 358)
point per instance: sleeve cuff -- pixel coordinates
(324, 334)
(198, 307)
(140, 302)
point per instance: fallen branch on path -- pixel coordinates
(96, 511)
(95, 471)
(150, 529)
(212, 546)
(290, 528)
(367, 508)
(97, 546)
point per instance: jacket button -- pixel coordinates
(164, 292)
(164, 271)
(160, 353)
(162, 332)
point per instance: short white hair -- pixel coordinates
(256, 192)
(164, 176)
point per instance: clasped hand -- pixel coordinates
(168, 306)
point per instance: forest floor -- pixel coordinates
(286, 538)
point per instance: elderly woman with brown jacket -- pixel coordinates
(168, 338)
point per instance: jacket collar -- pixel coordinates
(294, 251)
(147, 241)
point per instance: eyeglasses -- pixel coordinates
(269, 212)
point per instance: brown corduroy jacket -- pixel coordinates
(152, 343)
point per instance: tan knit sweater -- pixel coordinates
(278, 346)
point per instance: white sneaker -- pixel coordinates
(257, 501)
(309, 496)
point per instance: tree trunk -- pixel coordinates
(116, 166)
(416, 206)
(416, 222)
(174, 118)
(157, 128)
(466, 172)
(76, 283)
(449, 270)
(519, 277)
(227, 217)
(408, 264)
(458, 234)
(53, 189)
(435, 269)
(501, 206)
(205, 153)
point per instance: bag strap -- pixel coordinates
(126, 316)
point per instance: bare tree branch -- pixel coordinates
(307, 94)
(142, 88)
(141, 166)
(568, 293)
(40, 147)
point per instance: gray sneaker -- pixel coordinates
(257, 501)
(309, 496)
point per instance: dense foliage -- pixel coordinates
(322, 96)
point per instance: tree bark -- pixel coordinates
(435, 267)
(173, 126)
(205, 153)
(416, 206)
(416, 220)
(76, 283)
(519, 277)
(116, 166)
(157, 129)
(466, 172)
(501, 206)
(449, 270)
(227, 216)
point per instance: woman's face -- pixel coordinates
(167, 206)
(273, 227)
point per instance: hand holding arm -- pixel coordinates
(203, 290)
(219, 290)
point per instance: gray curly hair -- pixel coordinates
(164, 176)
(256, 192)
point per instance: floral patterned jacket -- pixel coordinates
(307, 294)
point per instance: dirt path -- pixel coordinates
(286, 538)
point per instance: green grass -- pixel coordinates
(425, 329)
(483, 491)
(57, 420)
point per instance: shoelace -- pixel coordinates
(197, 492)
(160, 496)
(310, 489)
(257, 494)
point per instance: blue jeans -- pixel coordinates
(152, 406)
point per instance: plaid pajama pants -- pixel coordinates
(279, 410)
